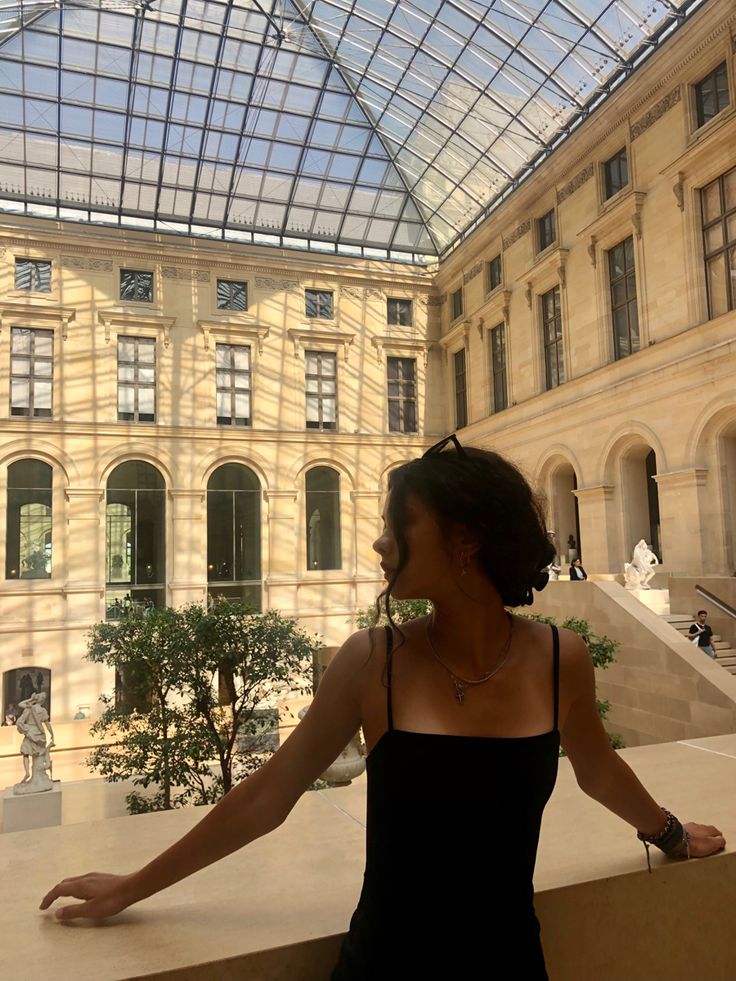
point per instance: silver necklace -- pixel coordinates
(461, 683)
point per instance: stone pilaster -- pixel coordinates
(682, 507)
(187, 550)
(84, 584)
(599, 529)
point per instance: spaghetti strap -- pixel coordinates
(389, 660)
(556, 673)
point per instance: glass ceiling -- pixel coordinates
(367, 127)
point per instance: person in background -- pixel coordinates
(577, 572)
(702, 635)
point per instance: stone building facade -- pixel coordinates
(586, 329)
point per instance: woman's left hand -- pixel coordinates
(705, 839)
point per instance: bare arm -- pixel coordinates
(254, 807)
(601, 773)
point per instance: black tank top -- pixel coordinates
(452, 831)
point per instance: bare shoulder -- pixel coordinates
(357, 658)
(574, 654)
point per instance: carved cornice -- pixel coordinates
(436, 301)
(391, 343)
(30, 315)
(277, 285)
(186, 275)
(133, 321)
(87, 264)
(363, 293)
(302, 338)
(520, 230)
(577, 182)
(250, 331)
(656, 112)
(472, 273)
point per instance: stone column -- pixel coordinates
(186, 547)
(682, 507)
(599, 529)
(284, 554)
(85, 554)
(367, 510)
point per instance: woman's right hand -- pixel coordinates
(104, 895)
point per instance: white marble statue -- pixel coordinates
(640, 570)
(34, 748)
(553, 569)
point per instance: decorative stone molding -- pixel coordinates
(682, 479)
(506, 308)
(678, 189)
(186, 275)
(459, 330)
(475, 271)
(656, 112)
(30, 315)
(366, 293)
(575, 184)
(401, 345)
(528, 293)
(593, 251)
(134, 321)
(87, 264)
(520, 230)
(277, 285)
(303, 338)
(437, 301)
(244, 330)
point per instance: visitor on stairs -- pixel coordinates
(702, 635)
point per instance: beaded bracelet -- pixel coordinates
(673, 839)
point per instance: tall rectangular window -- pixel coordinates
(232, 295)
(232, 362)
(546, 233)
(319, 304)
(456, 304)
(402, 395)
(616, 173)
(498, 367)
(711, 94)
(554, 365)
(136, 285)
(31, 371)
(136, 379)
(718, 202)
(321, 381)
(622, 277)
(461, 390)
(493, 274)
(33, 275)
(398, 312)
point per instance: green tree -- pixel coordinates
(401, 611)
(193, 683)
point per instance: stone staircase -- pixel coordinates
(725, 654)
(658, 600)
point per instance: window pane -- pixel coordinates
(20, 393)
(323, 518)
(717, 291)
(126, 398)
(146, 400)
(241, 379)
(42, 395)
(312, 408)
(241, 357)
(146, 350)
(43, 368)
(20, 366)
(714, 237)
(223, 405)
(126, 349)
(329, 413)
(242, 406)
(21, 340)
(222, 356)
(43, 343)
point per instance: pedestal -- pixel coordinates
(28, 811)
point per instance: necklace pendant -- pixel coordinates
(459, 690)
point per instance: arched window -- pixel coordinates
(135, 539)
(28, 530)
(234, 535)
(323, 518)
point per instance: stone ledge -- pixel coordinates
(275, 911)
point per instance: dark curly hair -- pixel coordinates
(489, 496)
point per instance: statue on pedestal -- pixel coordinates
(553, 569)
(34, 748)
(640, 570)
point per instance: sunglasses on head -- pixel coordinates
(439, 447)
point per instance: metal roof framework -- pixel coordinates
(376, 128)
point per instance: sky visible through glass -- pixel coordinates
(366, 127)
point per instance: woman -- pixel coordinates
(463, 712)
(577, 572)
